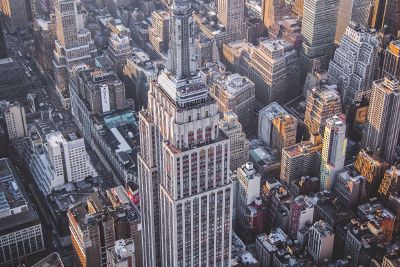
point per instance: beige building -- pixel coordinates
(14, 117)
(284, 131)
(275, 71)
(272, 11)
(322, 103)
(236, 93)
(159, 30)
(239, 144)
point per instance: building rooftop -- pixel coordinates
(323, 228)
(272, 110)
(15, 212)
(11, 198)
(52, 260)
(274, 241)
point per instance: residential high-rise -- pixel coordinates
(318, 29)
(266, 118)
(354, 65)
(183, 165)
(391, 63)
(236, 93)
(284, 131)
(323, 102)
(275, 70)
(333, 151)
(73, 44)
(301, 212)
(300, 160)
(240, 146)
(15, 14)
(272, 11)
(3, 45)
(320, 242)
(14, 118)
(382, 128)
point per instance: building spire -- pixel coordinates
(181, 54)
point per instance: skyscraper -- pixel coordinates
(354, 65)
(14, 118)
(333, 151)
(383, 123)
(183, 165)
(73, 44)
(391, 63)
(386, 13)
(352, 11)
(231, 15)
(318, 29)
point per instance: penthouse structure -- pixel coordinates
(239, 145)
(382, 127)
(235, 93)
(353, 72)
(323, 102)
(300, 160)
(122, 254)
(95, 226)
(20, 228)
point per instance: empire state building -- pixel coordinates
(186, 193)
